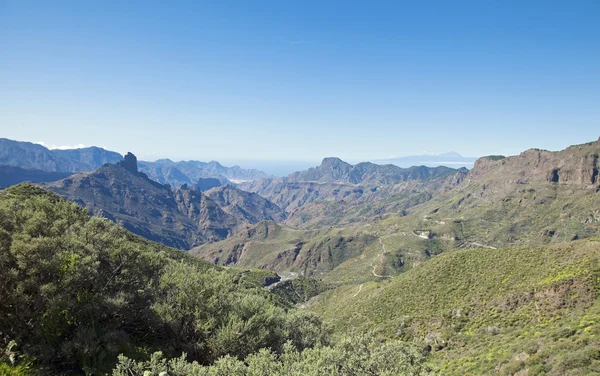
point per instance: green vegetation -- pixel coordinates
(355, 355)
(299, 290)
(487, 275)
(480, 309)
(494, 157)
(78, 291)
(82, 295)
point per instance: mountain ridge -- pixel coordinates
(30, 155)
(333, 169)
(448, 159)
(182, 218)
(35, 156)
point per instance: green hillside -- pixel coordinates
(82, 295)
(78, 291)
(487, 311)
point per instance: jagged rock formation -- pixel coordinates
(181, 218)
(129, 163)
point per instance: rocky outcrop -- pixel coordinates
(181, 218)
(576, 165)
(129, 163)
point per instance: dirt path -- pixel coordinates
(359, 290)
(483, 245)
(376, 258)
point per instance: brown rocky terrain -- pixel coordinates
(181, 218)
(502, 202)
(246, 205)
(576, 165)
(337, 193)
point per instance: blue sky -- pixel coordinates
(287, 80)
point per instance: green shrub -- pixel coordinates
(78, 291)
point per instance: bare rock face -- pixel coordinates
(576, 165)
(130, 162)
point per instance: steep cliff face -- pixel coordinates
(576, 165)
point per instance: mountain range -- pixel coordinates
(336, 192)
(189, 172)
(450, 159)
(32, 156)
(489, 270)
(537, 197)
(180, 218)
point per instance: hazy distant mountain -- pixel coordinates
(450, 159)
(189, 172)
(11, 175)
(277, 168)
(336, 192)
(338, 171)
(34, 156)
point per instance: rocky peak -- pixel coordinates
(129, 162)
(334, 163)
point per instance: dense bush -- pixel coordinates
(355, 355)
(78, 291)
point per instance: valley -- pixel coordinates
(299, 188)
(461, 262)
